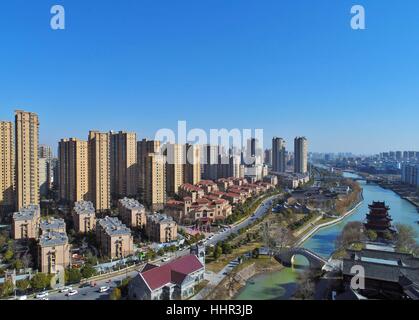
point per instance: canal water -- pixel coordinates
(281, 285)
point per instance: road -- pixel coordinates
(92, 293)
(260, 212)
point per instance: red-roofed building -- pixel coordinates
(203, 211)
(175, 280)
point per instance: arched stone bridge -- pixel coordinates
(286, 257)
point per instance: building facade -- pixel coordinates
(114, 238)
(84, 217)
(7, 169)
(132, 213)
(155, 181)
(26, 223)
(123, 163)
(99, 170)
(175, 157)
(192, 167)
(301, 155)
(73, 166)
(278, 155)
(53, 253)
(161, 228)
(27, 164)
(144, 148)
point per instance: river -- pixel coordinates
(281, 285)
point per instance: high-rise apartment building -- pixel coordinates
(99, 170)
(45, 152)
(73, 170)
(144, 148)
(7, 168)
(123, 163)
(44, 176)
(192, 167)
(155, 181)
(278, 155)
(175, 156)
(27, 164)
(300, 155)
(210, 161)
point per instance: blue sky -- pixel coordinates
(291, 67)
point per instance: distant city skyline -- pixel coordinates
(292, 68)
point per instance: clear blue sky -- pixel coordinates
(291, 67)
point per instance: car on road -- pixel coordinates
(41, 295)
(72, 293)
(165, 259)
(24, 297)
(65, 289)
(104, 289)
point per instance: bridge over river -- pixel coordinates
(287, 257)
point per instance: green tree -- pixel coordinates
(226, 248)
(88, 271)
(116, 294)
(217, 252)
(40, 281)
(72, 275)
(160, 252)
(7, 289)
(23, 284)
(18, 264)
(405, 239)
(8, 255)
(372, 235)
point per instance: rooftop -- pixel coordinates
(26, 213)
(131, 204)
(52, 224)
(113, 226)
(84, 207)
(171, 273)
(52, 238)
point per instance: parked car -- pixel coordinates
(72, 293)
(41, 295)
(166, 259)
(104, 289)
(65, 289)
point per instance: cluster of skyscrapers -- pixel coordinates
(111, 165)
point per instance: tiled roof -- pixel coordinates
(173, 272)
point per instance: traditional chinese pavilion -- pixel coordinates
(378, 219)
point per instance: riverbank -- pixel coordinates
(232, 284)
(328, 224)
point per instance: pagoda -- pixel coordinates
(378, 219)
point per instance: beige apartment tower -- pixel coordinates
(175, 154)
(144, 148)
(27, 166)
(99, 170)
(84, 217)
(192, 167)
(53, 253)
(74, 163)
(300, 155)
(7, 168)
(155, 181)
(123, 162)
(114, 238)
